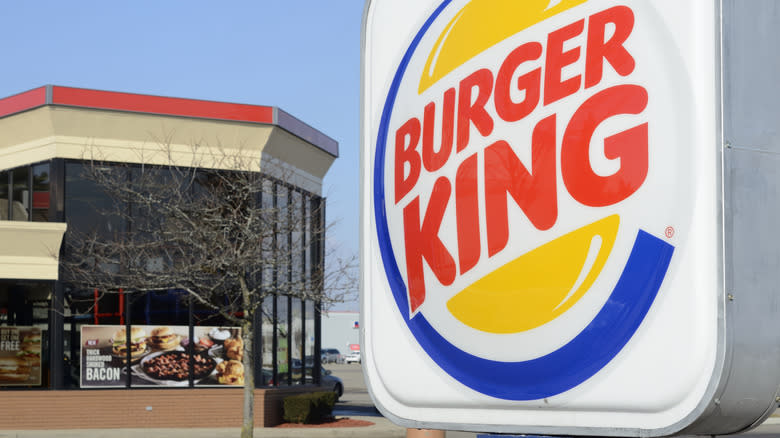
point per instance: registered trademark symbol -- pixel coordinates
(669, 232)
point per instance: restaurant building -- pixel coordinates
(57, 369)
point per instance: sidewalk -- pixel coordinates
(382, 428)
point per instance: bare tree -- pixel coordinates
(228, 236)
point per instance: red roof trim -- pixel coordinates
(111, 100)
(169, 106)
(23, 101)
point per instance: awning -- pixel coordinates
(30, 250)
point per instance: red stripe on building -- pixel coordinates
(23, 101)
(111, 100)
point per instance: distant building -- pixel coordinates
(340, 330)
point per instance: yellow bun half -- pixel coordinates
(162, 331)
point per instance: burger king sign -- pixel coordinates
(542, 224)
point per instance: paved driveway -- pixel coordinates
(357, 402)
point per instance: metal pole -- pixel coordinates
(30, 188)
(191, 343)
(317, 255)
(57, 307)
(10, 195)
(129, 343)
(56, 337)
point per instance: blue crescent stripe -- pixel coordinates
(560, 370)
(576, 361)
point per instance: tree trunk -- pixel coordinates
(248, 425)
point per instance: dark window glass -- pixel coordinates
(269, 213)
(308, 340)
(168, 307)
(20, 194)
(283, 258)
(298, 250)
(72, 352)
(146, 220)
(206, 315)
(24, 326)
(283, 340)
(267, 333)
(296, 342)
(4, 196)
(40, 195)
(88, 211)
(88, 208)
(287, 336)
(307, 240)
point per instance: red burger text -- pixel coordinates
(533, 189)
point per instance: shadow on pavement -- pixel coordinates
(363, 411)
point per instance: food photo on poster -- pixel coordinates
(20, 356)
(159, 356)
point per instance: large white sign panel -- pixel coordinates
(542, 226)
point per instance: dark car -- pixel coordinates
(327, 379)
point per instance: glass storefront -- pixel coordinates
(267, 330)
(282, 342)
(20, 194)
(92, 321)
(40, 192)
(296, 343)
(308, 339)
(25, 193)
(24, 329)
(24, 304)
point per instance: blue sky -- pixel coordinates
(300, 55)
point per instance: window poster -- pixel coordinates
(20, 356)
(159, 357)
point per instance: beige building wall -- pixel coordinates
(63, 132)
(30, 250)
